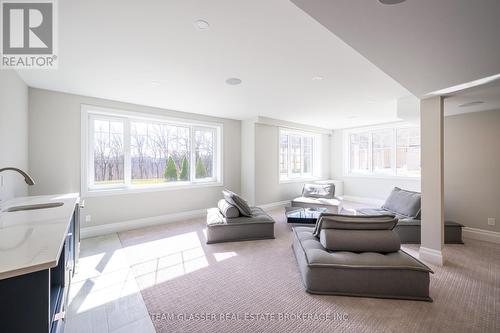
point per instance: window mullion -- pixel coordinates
(289, 152)
(90, 147)
(301, 156)
(127, 159)
(215, 154)
(192, 155)
(370, 152)
(394, 152)
(313, 155)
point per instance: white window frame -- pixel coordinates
(88, 188)
(370, 173)
(315, 173)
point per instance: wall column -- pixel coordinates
(248, 160)
(432, 160)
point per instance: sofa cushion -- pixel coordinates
(382, 241)
(227, 209)
(237, 201)
(403, 202)
(215, 217)
(326, 191)
(332, 205)
(378, 211)
(317, 201)
(258, 215)
(354, 222)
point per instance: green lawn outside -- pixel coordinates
(150, 181)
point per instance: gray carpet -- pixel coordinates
(251, 287)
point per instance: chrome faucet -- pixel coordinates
(27, 178)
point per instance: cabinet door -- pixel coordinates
(70, 240)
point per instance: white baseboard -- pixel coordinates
(365, 200)
(104, 229)
(482, 235)
(274, 205)
(431, 256)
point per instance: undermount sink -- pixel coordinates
(34, 206)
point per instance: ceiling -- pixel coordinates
(151, 53)
(466, 101)
(426, 45)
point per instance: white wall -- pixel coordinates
(472, 169)
(268, 189)
(54, 150)
(365, 187)
(13, 133)
(248, 160)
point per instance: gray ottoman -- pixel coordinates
(409, 229)
(367, 274)
(221, 229)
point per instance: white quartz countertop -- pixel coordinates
(32, 240)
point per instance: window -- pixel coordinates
(298, 155)
(125, 150)
(389, 151)
(408, 151)
(382, 152)
(359, 152)
(108, 151)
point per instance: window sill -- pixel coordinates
(298, 180)
(145, 189)
(387, 177)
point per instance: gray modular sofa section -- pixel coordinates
(319, 195)
(405, 205)
(367, 274)
(221, 229)
(409, 229)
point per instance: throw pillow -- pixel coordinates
(403, 202)
(326, 191)
(237, 201)
(228, 210)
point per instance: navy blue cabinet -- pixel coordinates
(36, 302)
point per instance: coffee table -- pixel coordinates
(303, 215)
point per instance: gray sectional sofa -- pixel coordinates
(319, 195)
(233, 220)
(406, 206)
(222, 229)
(356, 262)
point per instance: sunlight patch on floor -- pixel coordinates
(104, 296)
(165, 259)
(220, 256)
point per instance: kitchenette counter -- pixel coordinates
(32, 240)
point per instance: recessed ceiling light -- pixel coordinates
(317, 78)
(352, 117)
(233, 81)
(155, 83)
(470, 104)
(391, 2)
(201, 24)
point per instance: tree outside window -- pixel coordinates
(125, 152)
